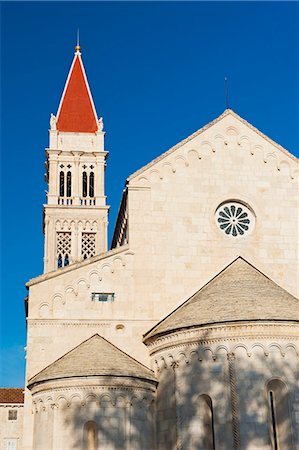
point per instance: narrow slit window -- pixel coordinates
(280, 423)
(91, 184)
(273, 420)
(61, 184)
(69, 184)
(90, 436)
(205, 413)
(84, 184)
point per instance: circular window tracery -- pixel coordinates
(234, 219)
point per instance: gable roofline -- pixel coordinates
(77, 55)
(148, 373)
(151, 333)
(77, 265)
(200, 131)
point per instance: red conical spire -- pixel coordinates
(76, 111)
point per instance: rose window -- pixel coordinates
(234, 219)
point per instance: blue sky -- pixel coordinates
(156, 71)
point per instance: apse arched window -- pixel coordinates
(279, 415)
(69, 184)
(61, 184)
(90, 438)
(91, 184)
(205, 412)
(84, 184)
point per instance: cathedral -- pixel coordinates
(184, 335)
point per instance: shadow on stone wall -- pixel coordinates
(236, 382)
(123, 418)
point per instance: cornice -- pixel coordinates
(75, 266)
(68, 323)
(226, 333)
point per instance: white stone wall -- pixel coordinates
(232, 365)
(172, 204)
(11, 430)
(175, 245)
(75, 153)
(123, 415)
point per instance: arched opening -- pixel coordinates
(91, 184)
(66, 260)
(59, 261)
(205, 412)
(279, 415)
(69, 184)
(90, 438)
(84, 184)
(61, 184)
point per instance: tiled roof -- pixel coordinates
(76, 111)
(239, 293)
(11, 395)
(94, 357)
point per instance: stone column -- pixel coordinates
(76, 179)
(175, 366)
(234, 401)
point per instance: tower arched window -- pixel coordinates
(279, 415)
(90, 439)
(205, 412)
(61, 184)
(59, 261)
(84, 184)
(69, 184)
(91, 184)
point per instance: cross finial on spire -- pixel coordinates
(78, 48)
(226, 92)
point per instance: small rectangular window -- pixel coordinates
(102, 297)
(12, 414)
(11, 444)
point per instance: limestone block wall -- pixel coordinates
(171, 210)
(121, 415)
(62, 313)
(230, 366)
(11, 431)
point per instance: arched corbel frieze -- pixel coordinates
(241, 346)
(180, 161)
(193, 156)
(44, 310)
(277, 346)
(91, 398)
(292, 347)
(82, 282)
(284, 167)
(261, 346)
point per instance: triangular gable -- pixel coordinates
(94, 357)
(202, 130)
(240, 292)
(76, 112)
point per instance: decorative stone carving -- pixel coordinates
(101, 124)
(53, 122)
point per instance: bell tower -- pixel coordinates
(76, 214)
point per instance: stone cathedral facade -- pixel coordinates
(184, 335)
